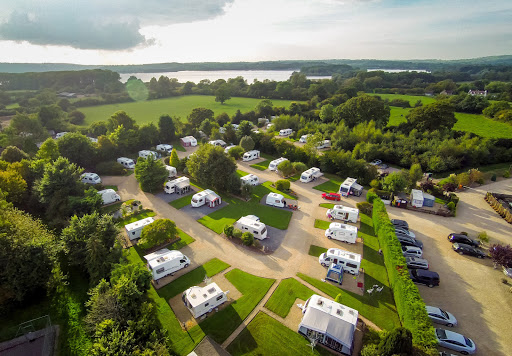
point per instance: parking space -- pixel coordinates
(198, 213)
(274, 240)
(172, 197)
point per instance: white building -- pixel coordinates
(201, 300)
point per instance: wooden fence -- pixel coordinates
(493, 201)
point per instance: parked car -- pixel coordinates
(402, 233)
(421, 276)
(406, 241)
(507, 271)
(454, 237)
(416, 263)
(400, 223)
(412, 251)
(443, 353)
(464, 249)
(399, 230)
(376, 162)
(331, 196)
(455, 341)
(439, 316)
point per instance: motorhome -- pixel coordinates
(285, 132)
(324, 144)
(275, 199)
(167, 149)
(350, 187)
(304, 138)
(258, 229)
(310, 175)
(251, 155)
(90, 178)
(269, 126)
(228, 148)
(201, 300)
(135, 228)
(350, 261)
(109, 196)
(179, 185)
(217, 143)
(250, 179)
(147, 154)
(273, 164)
(342, 232)
(208, 197)
(126, 162)
(188, 141)
(164, 262)
(172, 171)
(345, 213)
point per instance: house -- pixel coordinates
(446, 92)
(478, 92)
(188, 141)
(201, 300)
(329, 323)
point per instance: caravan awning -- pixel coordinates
(336, 328)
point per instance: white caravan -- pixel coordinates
(342, 232)
(304, 138)
(147, 153)
(269, 126)
(179, 185)
(188, 141)
(247, 223)
(350, 261)
(92, 139)
(273, 164)
(126, 162)
(226, 150)
(164, 262)
(235, 126)
(217, 143)
(172, 171)
(164, 148)
(285, 132)
(109, 196)
(208, 197)
(135, 228)
(201, 300)
(90, 178)
(344, 213)
(250, 155)
(275, 199)
(324, 144)
(60, 134)
(310, 175)
(350, 187)
(250, 179)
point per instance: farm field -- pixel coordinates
(411, 98)
(149, 111)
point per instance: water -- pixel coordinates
(400, 70)
(197, 76)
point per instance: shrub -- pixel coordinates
(110, 168)
(299, 167)
(247, 238)
(493, 178)
(506, 174)
(236, 152)
(483, 237)
(285, 168)
(237, 233)
(283, 185)
(451, 205)
(228, 230)
(371, 196)
(454, 198)
(397, 342)
(375, 184)
(365, 208)
(157, 233)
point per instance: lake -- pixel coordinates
(400, 70)
(197, 76)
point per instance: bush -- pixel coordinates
(110, 168)
(493, 178)
(247, 238)
(371, 196)
(365, 208)
(454, 198)
(299, 167)
(283, 185)
(236, 152)
(506, 174)
(157, 233)
(375, 184)
(451, 206)
(228, 230)
(483, 237)
(285, 168)
(237, 234)
(397, 342)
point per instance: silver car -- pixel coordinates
(411, 251)
(415, 262)
(438, 315)
(455, 341)
(402, 231)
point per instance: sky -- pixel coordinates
(157, 31)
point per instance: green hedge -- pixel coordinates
(409, 304)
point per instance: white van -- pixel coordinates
(275, 199)
(167, 149)
(126, 162)
(269, 126)
(206, 196)
(200, 301)
(250, 179)
(344, 213)
(90, 178)
(258, 229)
(179, 185)
(134, 229)
(172, 171)
(310, 175)
(164, 262)
(146, 154)
(350, 261)
(285, 132)
(273, 164)
(251, 155)
(342, 232)
(109, 196)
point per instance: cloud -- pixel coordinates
(98, 24)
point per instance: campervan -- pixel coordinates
(310, 175)
(126, 162)
(324, 144)
(285, 132)
(188, 141)
(164, 262)
(250, 155)
(217, 143)
(350, 187)
(208, 197)
(109, 196)
(226, 150)
(273, 164)
(250, 179)
(258, 229)
(90, 178)
(304, 138)
(350, 261)
(172, 171)
(201, 300)
(147, 154)
(269, 126)
(179, 185)
(135, 228)
(344, 213)
(275, 199)
(167, 149)
(342, 232)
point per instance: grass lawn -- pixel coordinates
(111, 187)
(262, 165)
(497, 168)
(411, 98)
(482, 126)
(332, 185)
(111, 208)
(283, 298)
(149, 111)
(181, 202)
(185, 240)
(177, 145)
(241, 173)
(266, 336)
(379, 308)
(316, 250)
(136, 217)
(321, 224)
(326, 205)
(294, 178)
(266, 188)
(397, 116)
(440, 201)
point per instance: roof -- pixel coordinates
(126, 159)
(349, 182)
(249, 177)
(251, 152)
(106, 191)
(279, 160)
(162, 256)
(275, 196)
(199, 295)
(208, 347)
(428, 196)
(311, 170)
(250, 222)
(340, 226)
(210, 194)
(416, 194)
(189, 138)
(345, 208)
(140, 223)
(344, 254)
(90, 175)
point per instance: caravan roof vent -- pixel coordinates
(193, 296)
(352, 256)
(339, 312)
(320, 302)
(211, 290)
(205, 296)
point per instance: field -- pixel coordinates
(149, 111)
(316, 250)
(411, 98)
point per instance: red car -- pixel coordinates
(331, 196)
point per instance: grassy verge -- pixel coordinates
(284, 296)
(177, 145)
(111, 208)
(185, 239)
(326, 205)
(332, 185)
(114, 187)
(181, 202)
(262, 165)
(321, 224)
(316, 250)
(241, 173)
(268, 186)
(136, 217)
(294, 178)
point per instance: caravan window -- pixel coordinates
(207, 304)
(133, 232)
(351, 265)
(343, 190)
(160, 270)
(263, 231)
(255, 232)
(219, 297)
(182, 261)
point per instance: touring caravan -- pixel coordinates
(285, 132)
(126, 162)
(310, 175)
(250, 155)
(179, 185)
(188, 141)
(273, 164)
(250, 179)
(92, 139)
(90, 178)
(217, 143)
(135, 228)
(147, 154)
(60, 134)
(208, 197)
(350, 187)
(304, 138)
(275, 199)
(342, 232)
(172, 171)
(324, 144)
(201, 300)
(226, 150)
(167, 149)
(109, 196)
(344, 213)
(269, 126)
(258, 229)
(164, 262)
(350, 261)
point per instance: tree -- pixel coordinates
(436, 116)
(395, 182)
(244, 129)
(396, 342)
(98, 128)
(264, 108)
(197, 116)
(49, 150)
(147, 135)
(247, 143)
(13, 185)
(223, 93)
(77, 148)
(166, 128)
(363, 108)
(496, 107)
(285, 168)
(247, 238)
(13, 154)
(174, 161)
(151, 174)
(76, 117)
(222, 119)
(206, 126)
(51, 117)
(60, 178)
(327, 113)
(299, 167)
(415, 174)
(157, 233)
(120, 118)
(501, 255)
(236, 152)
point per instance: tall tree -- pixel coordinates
(174, 161)
(415, 174)
(120, 118)
(157, 233)
(78, 149)
(13, 185)
(436, 116)
(197, 116)
(395, 182)
(49, 151)
(264, 108)
(13, 154)
(223, 93)
(363, 108)
(247, 143)
(166, 128)
(151, 174)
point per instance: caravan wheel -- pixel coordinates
(186, 265)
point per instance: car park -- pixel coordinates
(405, 235)
(421, 276)
(405, 241)
(454, 237)
(400, 230)
(400, 223)
(416, 263)
(455, 341)
(412, 251)
(331, 196)
(464, 249)
(439, 316)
